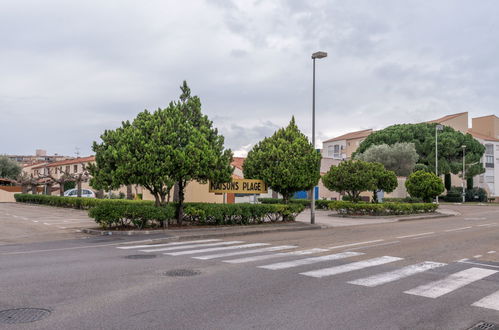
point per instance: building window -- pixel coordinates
(481, 178)
(75, 168)
(336, 153)
(330, 151)
(67, 169)
(489, 179)
(489, 161)
(489, 149)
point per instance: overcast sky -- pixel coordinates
(71, 69)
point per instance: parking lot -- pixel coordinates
(23, 223)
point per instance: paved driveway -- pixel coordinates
(29, 223)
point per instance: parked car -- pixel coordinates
(84, 193)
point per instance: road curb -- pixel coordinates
(198, 233)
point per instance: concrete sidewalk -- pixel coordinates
(327, 218)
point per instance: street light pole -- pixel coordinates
(315, 55)
(464, 172)
(437, 128)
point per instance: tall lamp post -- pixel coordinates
(315, 55)
(437, 128)
(464, 171)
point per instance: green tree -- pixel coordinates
(424, 185)
(286, 161)
(177, 144)
(356, 176)
(450, 153)
(399, 157)
(9, 169)
(386, 180)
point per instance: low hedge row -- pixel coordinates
(131, 215)
(349, 208)
(319, 204)
(74, 202)
(239, 214)
(402, 200)
(142, 216)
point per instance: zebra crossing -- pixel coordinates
(252, 253)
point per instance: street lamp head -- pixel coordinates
(440, 127)
(463, 146)
(319, 55)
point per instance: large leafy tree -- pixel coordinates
(286, 161)
(355, 176)
(158, 149)
(400, 157)
(424, 185)
(9, 169)
(423, 136)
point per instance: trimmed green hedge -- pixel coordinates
(349, 208)
(239, 214)
(402, 200)
(319, 204)
(136, 215)
(73, 202)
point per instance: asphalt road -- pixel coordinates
(425, 274)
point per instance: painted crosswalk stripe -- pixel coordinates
(451, 282)
(490, 302)
(309, 261)
(190, 246)
(398, 274)
(244, 246)
(168, 244)
(274, 255)
(235, 253)
(350, 267)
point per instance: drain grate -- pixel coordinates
(182, 273)
(141, 256)
(485, 326)
(22, 315)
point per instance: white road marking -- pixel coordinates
(398, 274)
(475, 218)
(491, 252)
(168, 244)
(191, 246)
(490, 302)
(415, 235)
(456, 229)
(451, 282)
(465, 261)
(235, 253)
(244, 246)
(275, 255)
(47, 224)
(61, 227)
(350, 267)
(478, 256)
(354, 244)
(35, 221)
(308, 261)
(374, 245)
(488, 225)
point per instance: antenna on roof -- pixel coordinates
(77, 152)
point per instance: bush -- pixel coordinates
(131, 215)
(239, 214)
(476, 195)
(350, 208)
(72, 202)
(403, 200)
(424, 185)
(319, 204)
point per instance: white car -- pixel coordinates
(84, 193)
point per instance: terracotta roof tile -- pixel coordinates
(238, 162)
(482, 136)
(352, 135)
(68, 162)
(448, 117)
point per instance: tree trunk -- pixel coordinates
(285, 198)
(157, 200)
(180, 215)
(448, 182)
(24, 188)
(61, 188)
(375, 196)
(48, 189)
(79, 188)
(175, 193)
(33, 189)
(129, 191)
(100, 194)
